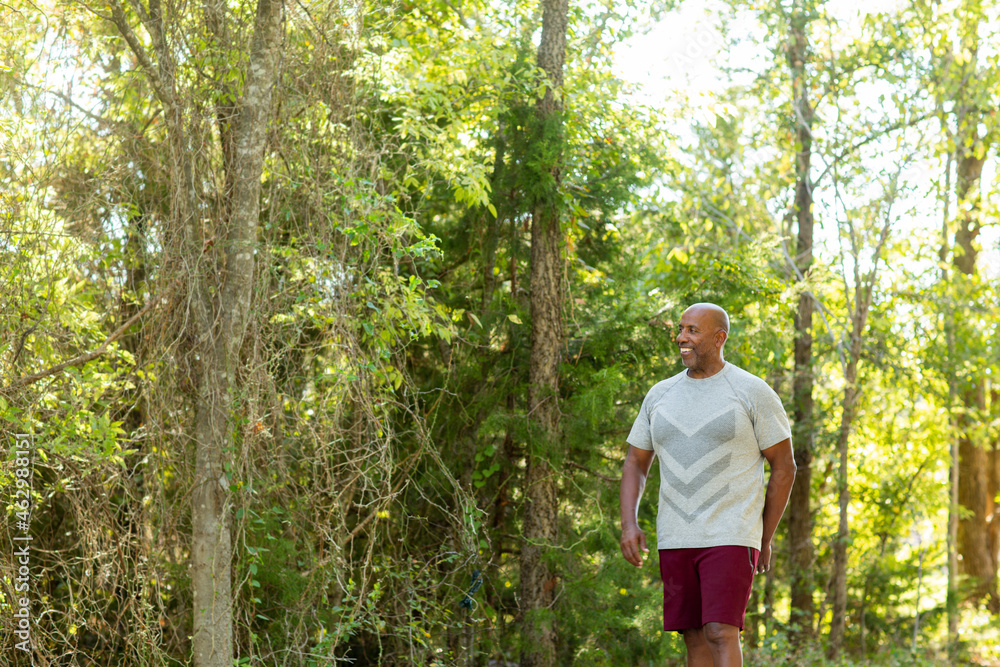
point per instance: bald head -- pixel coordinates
(718, 317)
(701, 335)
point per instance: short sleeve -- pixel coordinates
(770, 421)
(640, 436)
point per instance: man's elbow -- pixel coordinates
(632, 471)
(784, 467)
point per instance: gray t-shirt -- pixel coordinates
(708, 434)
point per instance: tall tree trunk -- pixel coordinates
(864, 286)
(838, 622)
(219, 275)
(538, 582)
(977, 557)
(211, 549)
(799, 511)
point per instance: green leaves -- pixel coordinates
(486, 466)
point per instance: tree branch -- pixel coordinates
(411, 460)
(121, 22)
(83, 358)
(875, 135)
(613, 480)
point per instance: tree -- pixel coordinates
(859, 295)
(221, 254)
(801, 557)
(538, 582)
(977, 477)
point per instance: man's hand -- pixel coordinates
(764, 559)
(633, 480)
(633, 545)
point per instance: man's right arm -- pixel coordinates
(634, 472)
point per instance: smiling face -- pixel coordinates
(703, 332)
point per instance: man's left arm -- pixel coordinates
(781, 459)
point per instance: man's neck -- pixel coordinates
(701, 374)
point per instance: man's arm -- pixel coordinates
(779, 486)
(634, 473)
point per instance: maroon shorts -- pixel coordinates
(709, 585)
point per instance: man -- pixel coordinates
(712, 427)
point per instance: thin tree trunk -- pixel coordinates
(838, 622)
(538, 582)
(211, 548)
(799, 512)
(864, 286)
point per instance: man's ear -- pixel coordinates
(720, 338)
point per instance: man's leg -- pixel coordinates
(698, 652)
(726, 575)
(723, 641)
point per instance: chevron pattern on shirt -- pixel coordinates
(692, 462)
(701, 509)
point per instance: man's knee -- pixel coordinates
(721, 633)
(693, 636)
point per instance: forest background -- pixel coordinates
(326, 323)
